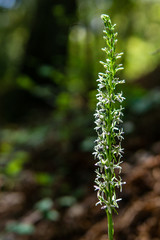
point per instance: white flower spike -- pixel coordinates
(108, 150)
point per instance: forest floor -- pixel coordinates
(137, 219)
(138, 214)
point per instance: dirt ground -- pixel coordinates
(138, 217)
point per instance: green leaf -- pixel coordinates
(53, 215)
(44, 179)
(20, 228)
(15, 166)
(67, 201)
(44, 205)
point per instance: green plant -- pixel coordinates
(20, 228)
(108, 121)
(44, 206)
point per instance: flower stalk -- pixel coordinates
(108, 150)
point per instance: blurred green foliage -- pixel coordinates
(66, 201)
(20, 228)
(44, 206)
(49, 60)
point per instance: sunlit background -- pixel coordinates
(49, 61)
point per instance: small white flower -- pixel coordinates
(108, 150)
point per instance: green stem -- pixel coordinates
(110, 226)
